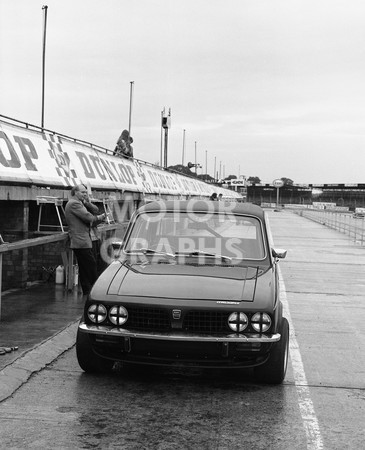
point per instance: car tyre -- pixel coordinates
(274, 369)
(89, 361)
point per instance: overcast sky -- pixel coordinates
(267, 88)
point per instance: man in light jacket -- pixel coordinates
(79, 221)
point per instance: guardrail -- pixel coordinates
(345, 223)
(66, 253)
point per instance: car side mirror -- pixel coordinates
(117, 247)
(278, 253)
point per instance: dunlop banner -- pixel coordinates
(43, 158)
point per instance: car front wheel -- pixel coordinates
(87, 359)
(274, 369)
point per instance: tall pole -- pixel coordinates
(161, 149)
(44, 7)
(130, 107)
(206, 164)
(183, 148)
(166, 122)
(220, 170)
(166, 145)
(196, 170)
(215, 168)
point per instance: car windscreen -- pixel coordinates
(216, 235)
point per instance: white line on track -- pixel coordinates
(310, 421)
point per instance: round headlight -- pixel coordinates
(237, 321)
(97, 313)
(118, 315)
(261, 322)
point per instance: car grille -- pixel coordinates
(148, 319)
(205, 322)
(159, 319)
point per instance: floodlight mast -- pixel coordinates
(166, 124)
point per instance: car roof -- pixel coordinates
(197, 205)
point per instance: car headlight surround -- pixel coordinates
(118, 315)
(238, 321)
(97, 313)
(261, 322)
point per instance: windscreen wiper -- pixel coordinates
(150, 251)
(213, 255)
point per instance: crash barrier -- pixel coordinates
(108, 233)
(345, 223)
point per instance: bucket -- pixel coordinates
(60, 275)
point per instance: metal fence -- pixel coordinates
(343, 222)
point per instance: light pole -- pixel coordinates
(195, 161)
(166, 123)
(130, 107)
(215, 168)
(183, 148)
(161, 146)
(45, 8)
(206, 165)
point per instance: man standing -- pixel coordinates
(79, 221)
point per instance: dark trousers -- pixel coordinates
(87, 268)
(100, 263)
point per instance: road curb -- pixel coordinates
(13, 376)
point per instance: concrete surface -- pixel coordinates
(323, 267)
(42, 322)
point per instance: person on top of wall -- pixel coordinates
(79, 221)
(124, 147)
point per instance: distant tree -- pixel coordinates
(287, 181)
(254, 180)
(231, 177)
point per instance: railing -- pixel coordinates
(66, 253)
(343, 222)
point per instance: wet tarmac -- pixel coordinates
(33, 315)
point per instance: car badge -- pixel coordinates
(176, 314)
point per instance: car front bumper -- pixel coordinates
(179, 348)
(179, 336)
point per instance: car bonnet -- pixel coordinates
(232, 283)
